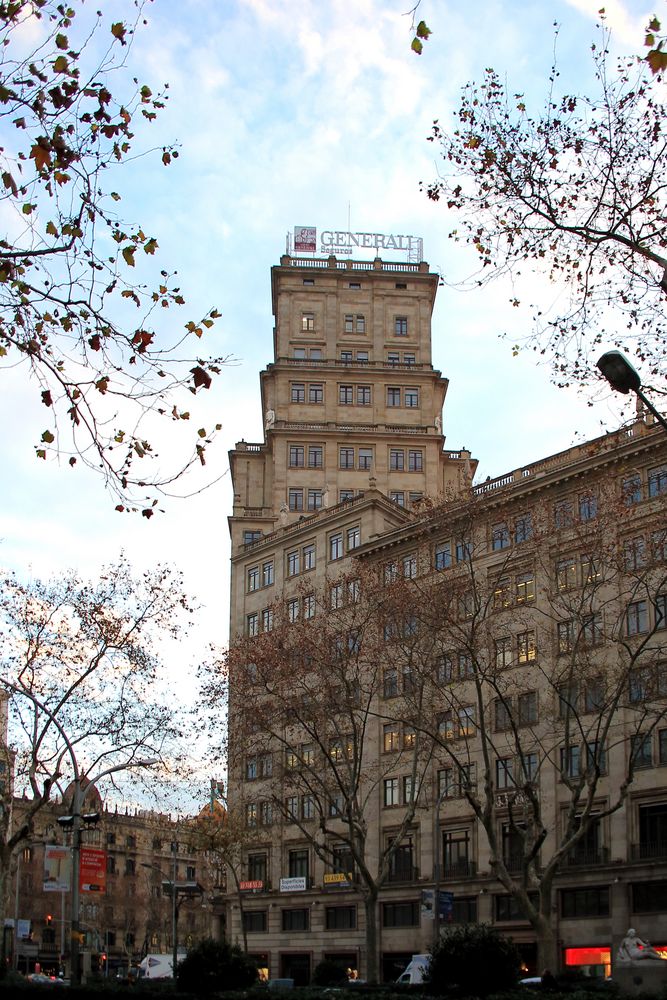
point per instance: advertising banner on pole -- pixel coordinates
(57, 868)
(93, 870)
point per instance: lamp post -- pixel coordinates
(170, 887)
(436, 868)
(622, 377)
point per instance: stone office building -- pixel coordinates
(353, 446)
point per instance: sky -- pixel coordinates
(305, 113)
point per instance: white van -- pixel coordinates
(156, 967)
(416, 970)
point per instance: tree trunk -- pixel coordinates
(547, 946)
(372, 958)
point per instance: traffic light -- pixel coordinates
(49, 919)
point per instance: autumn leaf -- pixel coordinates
(417, 46)
(47, 437)
(61, 42)
(102, 384)
(150, 246)
(51, 228)
(41, 156)
(657, 60)
(423, 31)
(118, 31)
(128, 256)
(201, 378)
(60, 65)
(46, 398)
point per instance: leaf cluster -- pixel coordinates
(72, 316)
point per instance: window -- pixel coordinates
(251, 814)
(409, 358)
(411, 397)
(400, 914)
(443, 555)
(456, 850)
(657, 481)
(507, 909)
(266, 813)
(634, 554)
(527, 648)
(316, 393)
(463, 550)
(298, 392)
(390, 737)
(348, 323)
(363, 395)
(659, 546)
(589, 570)
(393, 358)
(292, 804)
(307, 807)
(336, 596)
(365, 458)
(315, 456)
(309, 606)
(415, 460)
(503, 652)
(252, 624)
(298, 863)
(390, 796)
(296, 456)
(293, 563)
(397, 497)
(500, 537)
(360, 323)
(308, 557)
(594, 694)
(501, 594)
(353, 537)
(267, 619)
(396, 459)
(563, 514)
(465, 665)
(353, 591)
(393, 396)
(568, 699)
(296, 919)
(251, 768)
(267, 573)
(566, 574)
(502, 714)
(523, 528)
(346, 357)
(265, 765)
(253, 579)
(504, 772)
(293, 609)
(528, 708)
(254, 921)
(299, 353)
(308, 322)
(632, 490)
(295, 499)
(570, 761)
(345, 395)
(390, 682)
(592, 901)
(649, 897)
(641, 751)
(588, 507)
(591, 631)
(251, 535)
(346, 458)
(464, 910)
(340, 918)
(661, 611)
(565, 636)
(467, 720)
(637, 618)
(525, 588)
(530, 766)
(410, 567)
(315, 498)
(336, 546)
(401, 326)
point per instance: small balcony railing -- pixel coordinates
(585, 858)
(459, 869)
(404, 873)
(648, 849)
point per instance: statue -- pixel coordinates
(633, 949)
(283, 514)
(438, 424)
(269, 420)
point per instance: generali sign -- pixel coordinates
(342, 241)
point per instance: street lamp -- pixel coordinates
(622, 377)
(170, 887)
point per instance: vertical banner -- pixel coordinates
(446, 906)
(92, 870)
(57, 868)
(427, 908)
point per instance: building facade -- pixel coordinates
(132, 914)
(552, 619)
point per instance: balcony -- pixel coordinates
(459, 869)
(586, 858)
(648, 849)
(403, 873)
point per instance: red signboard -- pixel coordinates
(251, 886)
(92, 870)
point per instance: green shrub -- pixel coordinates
(213, 966)
(475, 960)
(329, 973)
